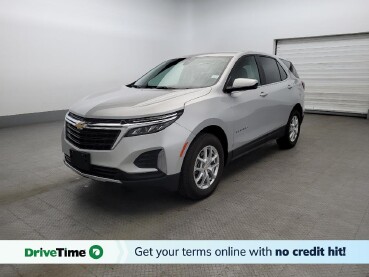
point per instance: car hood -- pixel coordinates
(132, 102)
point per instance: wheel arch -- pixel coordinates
(221, 135)
(298, 108)
(218, 132)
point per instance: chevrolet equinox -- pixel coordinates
(184, 120)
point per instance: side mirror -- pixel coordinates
(242, 84)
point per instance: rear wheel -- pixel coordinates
(202, 167)
(292, 131)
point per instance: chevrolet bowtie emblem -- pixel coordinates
(80, 125)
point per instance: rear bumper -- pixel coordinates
(104, 174)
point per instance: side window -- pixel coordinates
(282, 72)
(270, 68)
(245, 67)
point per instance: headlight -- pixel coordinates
(150, 125)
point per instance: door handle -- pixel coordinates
(263, 94)
(289, 86)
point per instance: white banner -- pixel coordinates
(184, 252)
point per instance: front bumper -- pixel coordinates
(160, 179)
(118, 164)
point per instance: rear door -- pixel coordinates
(277, 90)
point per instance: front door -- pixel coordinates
(248, 107)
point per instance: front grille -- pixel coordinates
(94, 120)
(94, 139)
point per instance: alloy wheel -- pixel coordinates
(206, 167)
(294, 128)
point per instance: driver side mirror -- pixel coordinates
(242, 84)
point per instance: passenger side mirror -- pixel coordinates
(242, 84)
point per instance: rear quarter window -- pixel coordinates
(291, 68)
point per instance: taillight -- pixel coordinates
(303, 84)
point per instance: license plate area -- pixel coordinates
(80, 160)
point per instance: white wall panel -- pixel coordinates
(236, 25)
(55, 52)
(335, 70)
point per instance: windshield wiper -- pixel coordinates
(133, 86)
(136, 86)
(153, 87)
(164, 87)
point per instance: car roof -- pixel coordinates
(228, 54)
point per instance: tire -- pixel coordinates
(188, 187)
(289, 140)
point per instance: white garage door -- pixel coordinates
(335, 70)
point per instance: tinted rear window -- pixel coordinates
(291, 67)
(271, 70)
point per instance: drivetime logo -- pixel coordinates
(95, 252)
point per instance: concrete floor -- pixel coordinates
(318, 190)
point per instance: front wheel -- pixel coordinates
(292, 131)
(202, 167)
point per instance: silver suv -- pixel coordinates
(184, 120)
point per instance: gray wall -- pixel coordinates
(55, 52)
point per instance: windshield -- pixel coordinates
(194, 72)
